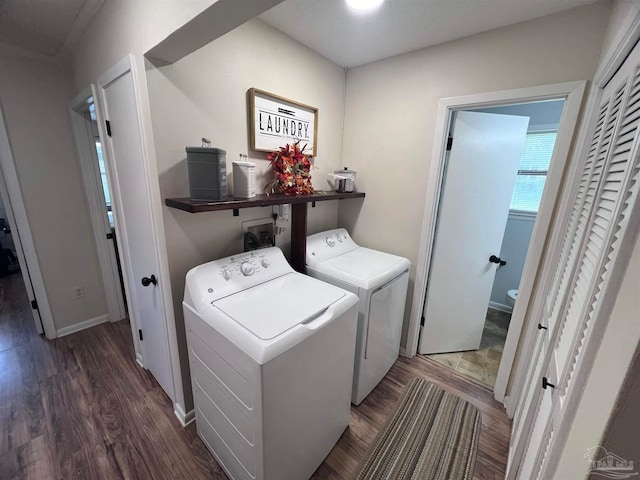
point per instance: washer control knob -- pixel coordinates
(247, 269)
(265, 262)
(339, 238)
(331, 241)
(226, 274)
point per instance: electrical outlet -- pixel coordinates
(78, 292)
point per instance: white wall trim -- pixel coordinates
(500, 307)
(17, 206)
(543, 128)
(76, 327)
(184, 418)
(572, 92)
(520, 215)
(95, 199)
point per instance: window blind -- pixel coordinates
(532, 173)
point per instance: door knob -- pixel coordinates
(146, 281)
(497, 260)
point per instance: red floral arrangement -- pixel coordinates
(292, 169)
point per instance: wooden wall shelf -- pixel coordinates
(298, 213)
(232, 203)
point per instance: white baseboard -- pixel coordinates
(500, 306)
(92, 322)
(184, 418)
(139, 359)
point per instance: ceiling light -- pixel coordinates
(362, 5)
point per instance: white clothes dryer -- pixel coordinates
(380, 280)
(271, 354)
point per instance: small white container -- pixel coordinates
(244, 179)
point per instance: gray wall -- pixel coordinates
(35, 92)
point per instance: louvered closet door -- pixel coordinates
(608, 188)
(589, 181)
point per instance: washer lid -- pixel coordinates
(363, 267)
(271, 308)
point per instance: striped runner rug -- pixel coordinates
(431, 435)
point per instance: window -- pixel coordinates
(532, 173)
(103, 175)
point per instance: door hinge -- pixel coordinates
(140, 334)
(34, 304)
(109, 236)
(108, 123)
(422, 320)
(545, 383)
(449, 143)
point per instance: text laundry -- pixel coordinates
(271, 123)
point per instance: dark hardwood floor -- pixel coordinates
(79, 407)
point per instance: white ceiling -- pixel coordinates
(45, 26)
(326, 26)
(398, 26)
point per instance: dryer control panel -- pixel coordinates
(217, 279)
(325, 245)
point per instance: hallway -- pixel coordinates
(79, 407)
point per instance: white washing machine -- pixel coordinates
(271, 354)
(380, 280)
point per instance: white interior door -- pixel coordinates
(580, 296)
(474, 206)
(133, 218)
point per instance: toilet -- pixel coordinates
(511, 297)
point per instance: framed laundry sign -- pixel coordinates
(276, 121)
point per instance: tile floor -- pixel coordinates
(482, 364)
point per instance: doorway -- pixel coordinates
(475, 291)
(528, 304)
(18, 239)
(8, 259)
(89, 146)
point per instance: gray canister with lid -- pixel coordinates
(207, 173)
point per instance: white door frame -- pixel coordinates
(83, 136)
(572, 92)
(135, 64)
(22, 238)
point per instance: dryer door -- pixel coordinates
(386, 313)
